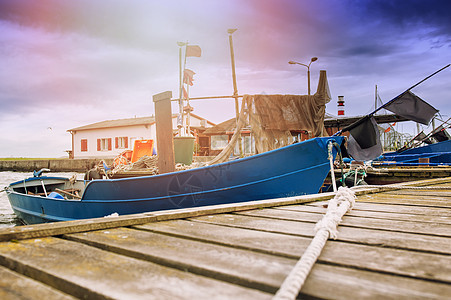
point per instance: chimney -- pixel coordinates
(341, 106)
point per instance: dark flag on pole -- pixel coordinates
(412, 107)
(422, 137)
(441, 135)
(364, 140)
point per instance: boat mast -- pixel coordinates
(235, 89)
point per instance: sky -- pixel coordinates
(66, 64)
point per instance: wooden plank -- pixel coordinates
(247, 268)
(253, 267)
(349, 234)
(405, 201)
(421, 193)
(265, 242)
(406, 209)
(387, 215)
(413, 226)
(88, 272)
(15, 286)
(59, 228)
(396, 261)
(334, 282)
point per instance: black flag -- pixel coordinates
(422, 137)
(412, 107)
(364, 140)
(441, 135)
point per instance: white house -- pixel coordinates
(109, 138)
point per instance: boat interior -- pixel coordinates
(52, 187)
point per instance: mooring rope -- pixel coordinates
(327, 227)
(331, 164)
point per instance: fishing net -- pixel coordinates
(273, 118)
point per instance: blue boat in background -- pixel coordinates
(294, 170)
(432, 155)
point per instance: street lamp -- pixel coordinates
(308, 69)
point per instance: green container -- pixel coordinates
(184, 149)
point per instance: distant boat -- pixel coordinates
(432, 155)
(297, 169)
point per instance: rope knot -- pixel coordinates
(343, 202)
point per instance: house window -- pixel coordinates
(84, 145)
(219, 142)
(121, 142)
(104, 144)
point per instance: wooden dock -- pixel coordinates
(394, 244)
(380, 175)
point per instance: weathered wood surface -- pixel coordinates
(165, 145)
(393, 244)
(397, 174)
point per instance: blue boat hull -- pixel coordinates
(438, 154)
(294, 170)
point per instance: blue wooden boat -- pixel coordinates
(437, 154)
(297, 169)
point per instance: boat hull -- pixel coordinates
(436, 154)
(294, 170)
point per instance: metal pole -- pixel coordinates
(235, 89)
(180, 72)
(180, 122)
(375, 98)
(210, 97)
(308, 78)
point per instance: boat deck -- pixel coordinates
(393, 244)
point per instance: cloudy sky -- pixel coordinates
(67, 63)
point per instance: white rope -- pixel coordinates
(331, 163)
(342, 202)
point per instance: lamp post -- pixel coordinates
(308, 69)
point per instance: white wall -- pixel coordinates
(136, 132)
(132, 132)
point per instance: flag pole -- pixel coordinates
(180, 119)
(180, 123)
(416, 84)
(358, 122)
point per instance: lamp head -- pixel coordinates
(230, 31)
(181, 44)
(292, 62)
(314, 59)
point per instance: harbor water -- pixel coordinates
(7, 216)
